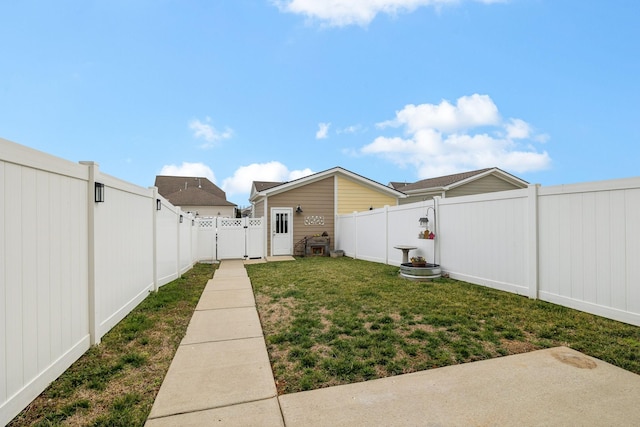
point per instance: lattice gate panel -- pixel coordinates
(239, 238)
(255, 237)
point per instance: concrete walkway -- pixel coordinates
(221, 376)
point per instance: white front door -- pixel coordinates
(281, 231)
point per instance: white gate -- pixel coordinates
(231, 238)
(255, 237)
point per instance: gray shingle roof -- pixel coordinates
(191, 191)
(438, 182)
(265, 185)
(398, 185)
(170, 184)
(196, 197)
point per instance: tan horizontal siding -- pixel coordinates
(355, 197)
(316, 199)
(258, 209)
(488, 184)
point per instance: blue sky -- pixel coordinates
(395, 90)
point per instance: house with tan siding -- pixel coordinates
(461, 184)
(298, 210)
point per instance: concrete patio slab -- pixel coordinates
(263, 413)
(280, 258)
(269, 259)
(226, 298)
(223, 324)
(213, 375)
(557, 386)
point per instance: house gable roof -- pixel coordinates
(195, 196)
(170, 184)
(448, 182)
(265, 185)
(191, 191)
(276, 188)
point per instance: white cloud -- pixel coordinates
(323, 130)
(353, 129)
(357, 12)
(244, 176)
(206, 131)
(440, 139)
(189, 169)
(518, 129)
(469, 111)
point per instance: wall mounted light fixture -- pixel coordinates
(158, 204)
(299, 209)
(99, 192)
(181, 219)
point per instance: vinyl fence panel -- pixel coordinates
(167, 242)
(483, 239)
(403, 228)
(206, 229)
(43, 272)
(123, 251)
(589, 249)
(346, 234)
(185, 230)
(70, 267)
(372, 236)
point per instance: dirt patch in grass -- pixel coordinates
(331, 321)
(517, 347)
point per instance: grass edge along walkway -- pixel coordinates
(115, 383)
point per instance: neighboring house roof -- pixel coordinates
(191, 191)
(170, 184)
(448, 182)
(276, 188)
(398, 185)
(196, 197)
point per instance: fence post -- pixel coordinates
(178, 213)
(154, 209)
(355, 235)
(436, 231)
(94, 172)
(532, 238)
(386, 234)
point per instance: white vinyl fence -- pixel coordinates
(573, 245)
(231, 238)
(71, 268)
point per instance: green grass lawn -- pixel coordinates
(116, 382)
(327, 321)
(330, 321)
